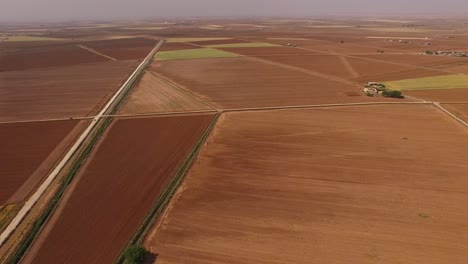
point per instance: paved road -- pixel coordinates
(107, 108)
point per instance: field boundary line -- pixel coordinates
(47, 120)
(349, 67)
(178, 113)
(269, 108)
(45, 184)
(377, 60)
(184, 89)
(96, 52)
(165, 197)
(461, 121)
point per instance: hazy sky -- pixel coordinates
(53, 10)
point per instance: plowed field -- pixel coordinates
(377, 184)
(60, 92)
(41, 57)
(112, 194)
(29, 151)
(242, 82)
(124, 49)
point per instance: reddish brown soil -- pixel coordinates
(126, 53)
(116, 188)
(377, 184)
(41, 57)
(177, 46)
(242, 82)
(444, 95)
(60, 92)
(460, 110)
(123, 49)
(359, 70)
(28, 153)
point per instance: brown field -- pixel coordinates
(60, 92)
(265, 51)
(350, 68)
(112, 194)
(153, 95)
(460, 110)
(123, 49)
(170, 46)
(376, 184)
(242, 82)
(51, 56)
(29, 151)
(461, 68)
(445, 95)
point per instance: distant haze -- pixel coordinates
(67, 10)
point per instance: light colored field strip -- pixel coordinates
(269, 108)
(33, 198)
(175, 85)
(96, 52)
(461, 121)
(349, 67)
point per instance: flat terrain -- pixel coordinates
(451, 81)
(153, 95)
(244, 82)
(123, 49)
(60, 92)
(460, 110)
(443, 95)
(29, 151)
(48, 56)
(112, 194)
(374, 184)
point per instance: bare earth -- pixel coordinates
(115, 189)
(28, 153)
(377, 184)
(153, 95)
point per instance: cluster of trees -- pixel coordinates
(392, 93)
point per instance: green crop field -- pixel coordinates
(202, 53)
(243, 45)
(451, 81)
(169, 40)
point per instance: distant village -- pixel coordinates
(446, 53)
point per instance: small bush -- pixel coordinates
(135, 254)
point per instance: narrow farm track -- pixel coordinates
(461, 121)
(349, 67)
(106, 109)
(95, 52)
(309, 72)
(377, 60)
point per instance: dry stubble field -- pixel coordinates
(338, 185)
